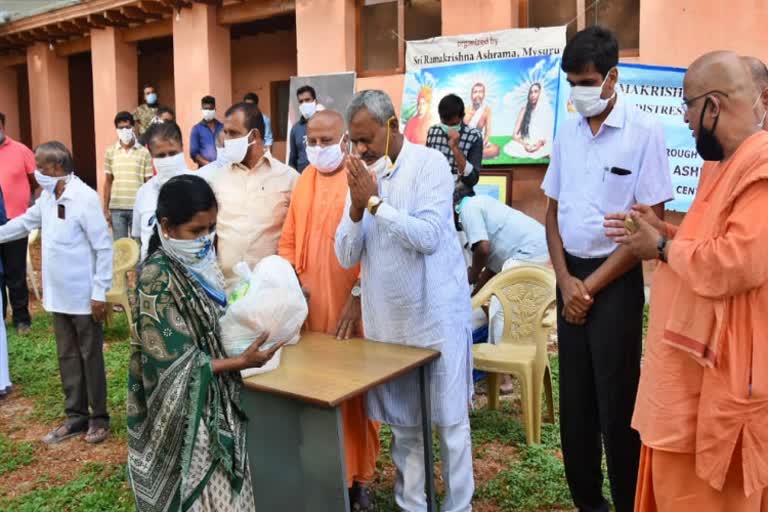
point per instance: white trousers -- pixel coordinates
(5, 376)
(456, 455)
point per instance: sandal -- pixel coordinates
(362, 499)
(96, 435)
(62, 433)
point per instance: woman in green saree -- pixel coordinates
(186, 431)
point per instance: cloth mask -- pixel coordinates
(326, 159)
(446, 128)
(199, 257)
(308, 109)
(208, 115)
(151, 98)
(587, 101)
(48, 183)
(125, 135)
(234, 150)
(169, 166)
(707, 145)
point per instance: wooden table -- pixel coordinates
(295, 436)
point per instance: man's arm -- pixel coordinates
(473, 164)
(293, 157)
(195, 148)
(21, 226)
(286, 247)
(618, 263)
(148, 168)
(108, 179)
(349, 239)
(421, 229)
(96, 231)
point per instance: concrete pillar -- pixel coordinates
(115, 87)
(48, 95)
(325, 36)
(201, 66)
(9, 101)
(462, 17)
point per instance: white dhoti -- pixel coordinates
(5, 375)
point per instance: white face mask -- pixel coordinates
(587, 101)
(125, 135)
(48, 183)
(190, 252)
(326, 159)
(308, 109)
(234, 150)
(208, 115)
(381, 167)
(169, 166)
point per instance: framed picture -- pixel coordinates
(496, 184)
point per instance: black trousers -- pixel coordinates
(599, 374)
(80, 343)
(14, 258)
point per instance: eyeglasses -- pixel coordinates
(687, 103)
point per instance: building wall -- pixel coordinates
(257, 61)
(9, 101)
(82, 125)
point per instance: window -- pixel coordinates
(385, 25)
(279, 100)
(621, 16)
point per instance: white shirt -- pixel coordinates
(414, 285)
(77, 250)
(144, 212)
(579, 177)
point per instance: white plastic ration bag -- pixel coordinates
(267, 299)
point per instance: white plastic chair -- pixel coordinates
(34, 235)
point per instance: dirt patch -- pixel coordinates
(492, 458)
(55, 464)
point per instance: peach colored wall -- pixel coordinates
(202, 65)
(462, 17)
(391, 84)
(257, 61)
(48, 95)
(9, 101)
(326, 36)
(115, 81)
(675, 32)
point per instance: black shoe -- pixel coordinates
(23, 329)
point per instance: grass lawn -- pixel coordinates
(73, 476)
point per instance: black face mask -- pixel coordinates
(707, 145)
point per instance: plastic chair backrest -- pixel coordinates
(526, 293)
(125, 257)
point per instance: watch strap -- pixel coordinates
(661, 246)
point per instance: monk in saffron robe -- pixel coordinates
(702, 404)
(307, 241)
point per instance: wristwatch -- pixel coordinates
(356, 291)
(661, 246)
(373, 204)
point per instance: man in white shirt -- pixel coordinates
(398, 223)
(77, 272)
(611, 157)
(165, 145)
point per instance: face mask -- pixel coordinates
(234, 150)
(190, 252)
(587, 101)
(125, 135)
(446, 128)
(169, 166)
(755, 104)
(208, 115)
(308, 109)
(151, 98)
(48, 183)
(325, 159)
(383, 166)
(707, 145)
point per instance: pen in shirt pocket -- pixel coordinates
(618, 171)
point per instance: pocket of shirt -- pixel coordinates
(65, 232)
(618, 192)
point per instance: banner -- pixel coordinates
(333, 91)
(658, 91)
(508, 80)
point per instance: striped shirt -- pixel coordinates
(414, 285)
(129, 170)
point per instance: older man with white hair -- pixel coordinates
(398, 222)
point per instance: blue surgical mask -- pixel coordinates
(151, 98)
